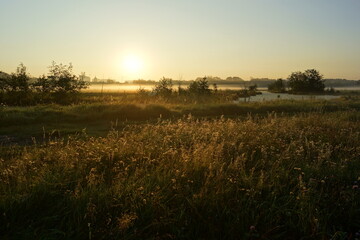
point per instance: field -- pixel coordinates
(128, 167)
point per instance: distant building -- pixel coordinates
(95, 80)
(85, 78)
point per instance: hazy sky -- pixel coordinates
(182, 38)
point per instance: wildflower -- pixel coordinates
(252, 228)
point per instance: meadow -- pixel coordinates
(125, 166)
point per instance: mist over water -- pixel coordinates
(265, 96)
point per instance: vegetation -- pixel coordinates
(60, 86)
(199, 87)
(304, 82)
(164, 87)
(267, 177)
(166, 164)
(278, 86)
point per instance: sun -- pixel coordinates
(132, 64)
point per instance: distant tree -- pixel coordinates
(16, 88)
(210, 79)
(199, 87)
(43, 85)
(163, 87)
(63, 80)
(253, 88)
(278, 86)
(111, 81)
(19, 81)
(215, 87)
(309, 81)
(3, 87)
(3, 83)
(60, 85)
(234, 79)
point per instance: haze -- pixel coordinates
(182, 39)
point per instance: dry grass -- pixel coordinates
(259, 178)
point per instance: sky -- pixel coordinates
(184, 39)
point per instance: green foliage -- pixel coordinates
(278, 86)
(308, 81)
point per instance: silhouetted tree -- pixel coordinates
(309, 81)
(253, 88)
(163, 87)
(63, 80)
(199, 87)
(215, 87)
(19, 81)
(278, 86)
(16, 89)
(44, 85)
(3, 84)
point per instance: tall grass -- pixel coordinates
(258, 178)
(95, 112)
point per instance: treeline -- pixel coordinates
(260, 82)
(309, 81)
(200, 90)
(59, 86)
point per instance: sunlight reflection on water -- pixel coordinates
(268, 96)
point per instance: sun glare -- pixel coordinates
(132, 64)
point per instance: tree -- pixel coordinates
(253, 88)
(63, 80)
(60, 85)
(199, 87)
(163, 87)
(44, 85)
(278, 86)
(3, 83)
(16, 89)
(309, 81)
(19, 81)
